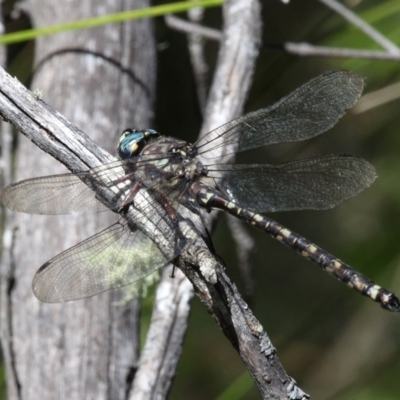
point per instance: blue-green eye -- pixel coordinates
(132, 142)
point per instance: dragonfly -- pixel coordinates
(157, 176)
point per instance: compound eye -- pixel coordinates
(130, 143)
(151, 132)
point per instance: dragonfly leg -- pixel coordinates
(130, 197)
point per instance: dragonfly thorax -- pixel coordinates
(174, 158)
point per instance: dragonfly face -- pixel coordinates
(157, 176)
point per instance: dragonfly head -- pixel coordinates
(132, 141)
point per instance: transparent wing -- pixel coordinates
(110, 259)
(311, 184)
(308, 111)
(98, 189)
(56, 194)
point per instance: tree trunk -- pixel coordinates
(103, 80)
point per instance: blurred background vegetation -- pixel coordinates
(334, 342)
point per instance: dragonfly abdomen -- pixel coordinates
(326, 261)
(309, 250)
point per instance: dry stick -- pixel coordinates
(377, 98)
(199, 65)
(306, 49)
(182, 25)
(346, 13)
(161, 353)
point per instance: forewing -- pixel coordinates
(308, 111)
(55, 194)
(311, 184)
(101, 188)
(113, 258)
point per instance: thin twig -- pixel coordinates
(199, 65)
(181, 25)
(171, 304)
(377, 98)
(383, 41)
(306, 49)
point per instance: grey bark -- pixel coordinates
(104, 80)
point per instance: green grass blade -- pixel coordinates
(107, 19)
